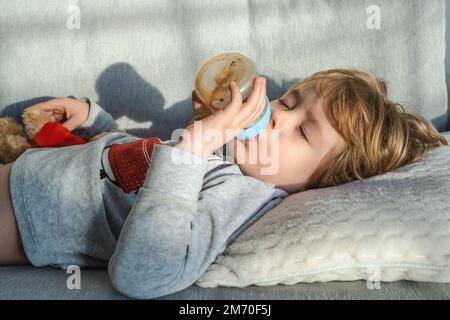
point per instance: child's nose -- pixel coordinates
(275, 120)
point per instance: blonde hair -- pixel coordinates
(379, 135)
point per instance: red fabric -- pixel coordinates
(130, 162)
(54, 134)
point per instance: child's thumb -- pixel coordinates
(71, 124)
(236, 98)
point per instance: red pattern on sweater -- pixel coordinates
(130, 161)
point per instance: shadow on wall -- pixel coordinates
(123, 92)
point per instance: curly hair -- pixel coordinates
(379, 135)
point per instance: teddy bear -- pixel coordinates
(15, 139)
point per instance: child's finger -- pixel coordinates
(48, 114)
(71, 124)
(254, 94)
(252, 103)
(59, 115)
(236, 98)
(261, 104)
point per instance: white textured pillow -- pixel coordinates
(389, 227)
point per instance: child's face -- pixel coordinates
(281, 150)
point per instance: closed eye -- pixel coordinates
(284, 103)
(300, 128)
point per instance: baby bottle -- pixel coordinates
(212, 86)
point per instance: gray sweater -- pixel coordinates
(155, 242)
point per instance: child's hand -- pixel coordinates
(227, 122)
(72, 111)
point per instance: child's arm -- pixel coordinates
(99, 120)
(178, 226)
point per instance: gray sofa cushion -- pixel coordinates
(48, 283)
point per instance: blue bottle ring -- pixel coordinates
(256, 129)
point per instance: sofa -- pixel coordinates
(138, 60)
